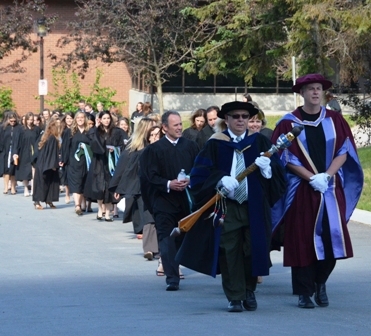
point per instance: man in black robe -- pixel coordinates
(240, 247)
(162, 193)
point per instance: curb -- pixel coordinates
(361, 216)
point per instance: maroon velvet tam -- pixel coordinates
(309, 79)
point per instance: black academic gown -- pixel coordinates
(99, 177)
(64, 156)
(200, 247)
(10, 144)
(28, 142)
(77, 171)
(191, 133)
(125, 181)
(159, 163)
(46, 179)
(204, 135)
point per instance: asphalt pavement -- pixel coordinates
(66, 275)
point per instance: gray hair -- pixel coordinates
(165, 117)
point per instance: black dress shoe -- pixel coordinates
(250, 303)
(235, 306)
(305, 302)
(172, 287)
(320, 295)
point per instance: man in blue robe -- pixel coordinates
(240, 247)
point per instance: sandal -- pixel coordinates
(38, 206)
(181, 275)
(78, 210)
(160, 269)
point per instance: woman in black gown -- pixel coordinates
(46, 179)
(198, 120)
(65, 125)
(79, 158)
(29, 138)
(10, 134)
(125, 181)
(105, 142)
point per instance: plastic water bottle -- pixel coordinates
(182, 175)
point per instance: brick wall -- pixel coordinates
(25, 85)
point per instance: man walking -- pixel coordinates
(325, 183)
(242, 243)
(163, 194)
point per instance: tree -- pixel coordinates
(248, 38)
(362, 113)
(67, 91)
(149, 36)
(258, 38)
(16, 26)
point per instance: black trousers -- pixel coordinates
(305, 278)
(169, 246)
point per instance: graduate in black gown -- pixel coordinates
(162, 193)
(78, 155)
(105, 142)
(10, 134)
(65, 125)
(125, 183)
(29, 140)
(46, 179)
(198, 120)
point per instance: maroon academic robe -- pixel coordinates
(302, 208)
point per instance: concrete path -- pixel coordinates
(65, 275)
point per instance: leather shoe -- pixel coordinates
(234, 306)
(172, 287)
(320, 295)
(305, 302)
(250, 303)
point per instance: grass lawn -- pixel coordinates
(365, 158)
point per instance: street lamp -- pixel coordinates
(41, 30)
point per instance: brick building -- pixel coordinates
(25, 85)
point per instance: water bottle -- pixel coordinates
(182, 175)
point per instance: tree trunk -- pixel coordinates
(160, 95)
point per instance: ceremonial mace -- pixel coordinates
(186, 223)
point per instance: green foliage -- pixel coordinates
(6, 101)
(67, 91)
(361, 116)
(257, 38)
(102, 94)
(365, 158)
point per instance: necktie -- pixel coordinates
(240, 192)
(174, 143)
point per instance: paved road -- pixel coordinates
(64, 275)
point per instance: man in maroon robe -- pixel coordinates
(324, 184)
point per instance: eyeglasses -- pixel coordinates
(238, 116)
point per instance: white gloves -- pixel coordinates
(229, 182)
(264, 164)
(319, 182)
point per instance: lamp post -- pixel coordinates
(41, 31)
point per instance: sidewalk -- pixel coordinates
(361, 216)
